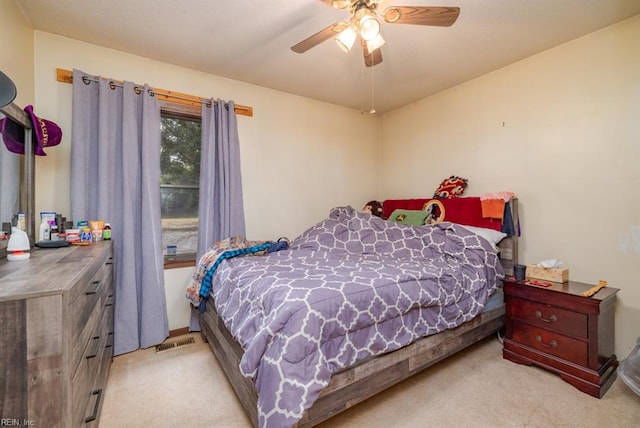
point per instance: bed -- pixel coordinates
(348, 373)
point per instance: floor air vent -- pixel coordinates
(172, 345)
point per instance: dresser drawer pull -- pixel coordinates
(95, 285)
(94, 352)
(552, 344)
(552, 318)
(93, 417)
(109, 301)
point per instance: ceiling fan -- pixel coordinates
(364, 22)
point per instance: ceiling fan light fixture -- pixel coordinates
(365, 21)
(346, 38)
(369, 27)
(374, 44)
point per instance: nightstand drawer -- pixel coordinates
(551, 343)
(550, 317)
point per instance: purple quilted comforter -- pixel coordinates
(348, 288)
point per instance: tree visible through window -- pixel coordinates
(179, 185)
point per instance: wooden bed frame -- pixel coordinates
(355, 384)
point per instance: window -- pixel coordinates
(179, 182)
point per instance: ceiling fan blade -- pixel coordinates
(373, 58)
(318, 37)
(422, 15)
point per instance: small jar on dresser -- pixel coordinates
(56, 335)
(554, 326)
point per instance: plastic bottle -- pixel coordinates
(44, 231)
(21, 224)
(106, 232)
(53, 231)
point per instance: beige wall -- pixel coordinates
(560, 129)
(300, 157)
(17, 61)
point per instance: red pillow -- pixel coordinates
(451, 187)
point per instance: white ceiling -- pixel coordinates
(250, 40)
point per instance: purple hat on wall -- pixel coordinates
(45, 134)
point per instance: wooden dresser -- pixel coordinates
(559, 329)
(56, 335)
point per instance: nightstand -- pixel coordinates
(560, 330)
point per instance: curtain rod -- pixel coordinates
(66, 76)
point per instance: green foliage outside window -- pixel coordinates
(180, 166)
(180, 151)
(179, 183)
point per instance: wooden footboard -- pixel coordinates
(357, 383)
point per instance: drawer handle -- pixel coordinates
(94, 352)
(552, 318)
(93, 417)
(96, 285)
(552, 344)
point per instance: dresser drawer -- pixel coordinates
(550, 317)
(84, 379)
(88, 296)
(91, 415)
(86, 311)
(551, 343)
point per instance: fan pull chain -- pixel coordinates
(362, 88)
(373, 109)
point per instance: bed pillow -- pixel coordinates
(451, 187)
(410, 217)
(493, 236)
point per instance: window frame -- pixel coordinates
(180, 111)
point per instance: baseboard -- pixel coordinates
(179, 332)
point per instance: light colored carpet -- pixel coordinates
(476, 388)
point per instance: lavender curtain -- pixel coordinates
(115, 177)
(221, 209)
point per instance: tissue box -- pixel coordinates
(548, 274)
